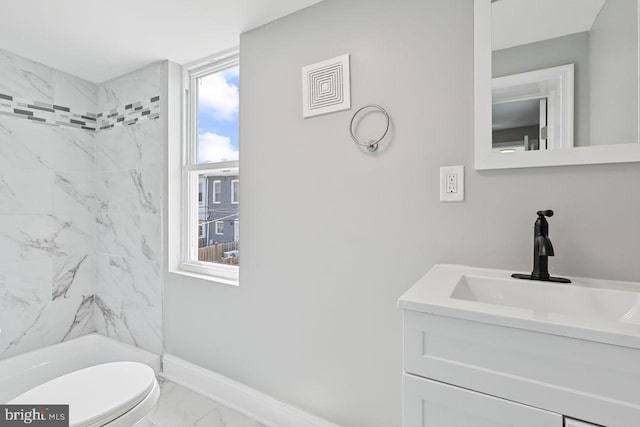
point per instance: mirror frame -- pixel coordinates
(485, 157)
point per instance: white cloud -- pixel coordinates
(219, 96)
(214, 148)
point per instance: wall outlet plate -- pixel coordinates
(452, 184)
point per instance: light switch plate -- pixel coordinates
(452, 184)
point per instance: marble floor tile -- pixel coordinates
(181, 407)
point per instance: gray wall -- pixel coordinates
(572, 49)
(613, 53)
(319, 327)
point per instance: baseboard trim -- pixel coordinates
(242, 398)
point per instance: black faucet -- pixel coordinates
(542, 250)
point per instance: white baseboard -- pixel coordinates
(242, 398)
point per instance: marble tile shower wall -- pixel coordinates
(80, 212)
(129, 164)
(47, 213)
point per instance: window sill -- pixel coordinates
(187, 270)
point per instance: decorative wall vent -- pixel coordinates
(326, 87)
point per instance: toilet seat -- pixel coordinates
(100, 395)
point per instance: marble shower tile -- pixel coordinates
(130, 147)
(26, 191)
(31, 237)
(72, 150)
(83, 322)
(71, 91)
(24, 283)
(73, 191)
(24, 78)
(39, 325)
(16, 324)
(22, 144)
(129, 303)
(73, 276)
(132, 87)
(118, 235)
(129, 235)
(130, 191)
(151, 234)
(110, 323)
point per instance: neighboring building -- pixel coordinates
(218, 209)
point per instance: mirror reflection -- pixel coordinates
(565, 73)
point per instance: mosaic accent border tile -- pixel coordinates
(129, 114)
(57, 115)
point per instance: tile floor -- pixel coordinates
(181, 407)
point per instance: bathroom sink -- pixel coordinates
(592, 309)
(543, 297)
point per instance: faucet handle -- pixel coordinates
(548, 213)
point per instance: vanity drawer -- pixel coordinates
(581, 379)
(429, 403)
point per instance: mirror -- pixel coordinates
(557, 81)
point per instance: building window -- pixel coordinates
(210, 165)
(201, 231)
(217, 191)
(219, 228)
(235, 191)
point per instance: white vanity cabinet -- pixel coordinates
(430, 403)
(479, 364)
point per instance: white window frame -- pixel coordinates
(235, 201)
(216, 228)
(217, 183)
(236, 230)
(185, 261)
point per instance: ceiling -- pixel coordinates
(100, 40)
(518, 22)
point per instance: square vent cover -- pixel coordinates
(326, 87)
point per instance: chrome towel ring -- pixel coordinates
(372, 145)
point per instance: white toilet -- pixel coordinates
(118, 394)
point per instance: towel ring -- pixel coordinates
(372, 145)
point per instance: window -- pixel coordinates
(235, 191)
(220, 228)
(210, 167)
(217, 191)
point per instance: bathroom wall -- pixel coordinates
(571, 49)
(129, 165)
(613, 55)
(314, 321)
(47, 205)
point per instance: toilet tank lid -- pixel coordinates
(95, 395)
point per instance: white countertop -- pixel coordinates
(433, 294)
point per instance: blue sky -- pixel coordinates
(218, 125)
